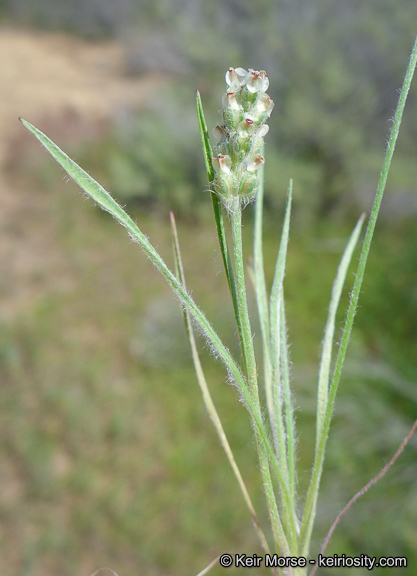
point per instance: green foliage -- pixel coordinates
(85, 17)
(338, 65)
(396, 285)
(153, 157)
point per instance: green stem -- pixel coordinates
(246, 331)
(281, 539)
(228, 268)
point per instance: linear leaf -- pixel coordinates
(312, 494)
(205, 141)
(326, 356)
(107, 203)
(208, 400)
(283, 430)
(218, 217)
(275, 328)
(261, 293)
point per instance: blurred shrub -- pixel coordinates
(390, 298)
(91, 18)
(339, 82)
(156, 49)
(154, 157)
(335, 79)
(335, 69)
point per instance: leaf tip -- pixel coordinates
(24, 122)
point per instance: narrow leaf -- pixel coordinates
(275, 327)
(312, 494)
(205, 140)
(289, 411)
(218, 214)
(283, 428)
(364, 490)
(107, 203)
(207, 398)
(261, 293)
(209, 567)
(326, 356)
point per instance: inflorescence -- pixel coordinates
(246, 108)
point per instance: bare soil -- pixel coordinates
(72, 89)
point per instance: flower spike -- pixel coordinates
(245, 109)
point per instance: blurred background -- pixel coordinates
(107, 455)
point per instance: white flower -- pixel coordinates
(219, 133)
(254, 162)
(235, 77)
(222, 164)
(229, 101)
(263, 104)
(263, 131)
(246, 128)
(257, 81)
